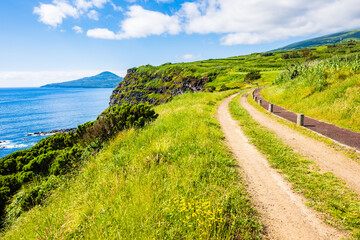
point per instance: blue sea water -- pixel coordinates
(29, 110)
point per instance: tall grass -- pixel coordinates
(328, 90)
(174, 179)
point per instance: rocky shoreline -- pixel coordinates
(65, 130)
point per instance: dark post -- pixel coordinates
(300, 119)
(271, 107)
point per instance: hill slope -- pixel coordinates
(327, 90)
(102, 80)
(147, 183)
(323, 40)
(166, 181)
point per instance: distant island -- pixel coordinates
(102, 80)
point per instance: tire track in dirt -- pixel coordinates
(283, 212)
(326, 158)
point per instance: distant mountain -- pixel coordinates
(102, 80)
(324, 40)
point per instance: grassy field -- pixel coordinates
(328, 90)
(325, 192)
(174, 179)
(158, 84)
(327, 39)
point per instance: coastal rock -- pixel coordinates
(154, 88)
(65, 130)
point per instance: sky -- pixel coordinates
(46, 41)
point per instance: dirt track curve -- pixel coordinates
(283, 212)
(327, 159)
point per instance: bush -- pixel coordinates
(266, 54)
(61, 152)
(251, 76)
(223, 87)
(285, 56)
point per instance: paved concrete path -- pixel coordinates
(340, 135)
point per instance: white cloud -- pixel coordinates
(87, 4)
(141, 23)
(116, 8)
(236, 21)
(102, 33)
(94, 15)
(188, 57)
(164, 1)
(36, 79)
(77, 29)
(252, 22)
(53, 14)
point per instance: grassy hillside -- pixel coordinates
(158, 84)
(328, 90)
(40, 169)
(334, 38)
(173, 179)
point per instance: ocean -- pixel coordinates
(28, 110)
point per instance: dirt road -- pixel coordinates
(326, 158)
(283, 211)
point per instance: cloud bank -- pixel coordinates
(140, 23)
(237, 22)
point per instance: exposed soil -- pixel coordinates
(340, 135)
(283, 211)
(327, 159)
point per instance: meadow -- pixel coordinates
(175, 178)
(328, 90)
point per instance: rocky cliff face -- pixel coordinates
(154, 88)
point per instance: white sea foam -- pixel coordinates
(4, 142)
(8, 145)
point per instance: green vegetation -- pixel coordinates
(40, 169)
(102, 80)
(158, 84)
(328, 90)
(324, 191)
(345, 36)
(173, 179)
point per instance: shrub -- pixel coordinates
(251, 76)
(266, 54)
(61, 152)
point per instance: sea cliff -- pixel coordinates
(154, 87)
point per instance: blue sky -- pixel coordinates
(58, 40)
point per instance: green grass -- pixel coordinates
(326, 90)
(174, 179)
(327, 39)
(217, 74)
(324, 192)
(349, 152)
